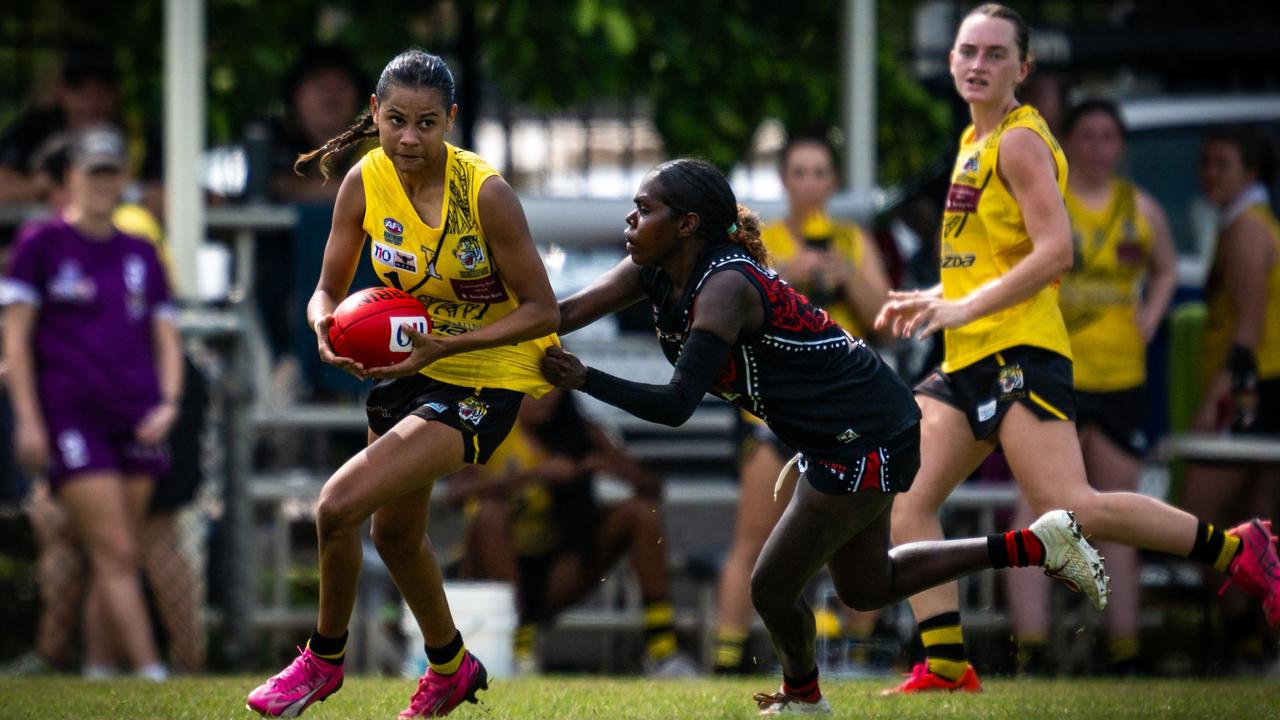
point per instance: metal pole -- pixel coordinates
(184, 101)
(859, 112)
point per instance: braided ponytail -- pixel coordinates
(360, 129)
(746, 233)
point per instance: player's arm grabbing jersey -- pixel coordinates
(985, 234)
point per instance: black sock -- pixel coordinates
(805, 687)
(330, 650)
(1019, 548)
(445, 660)
(1214, 547)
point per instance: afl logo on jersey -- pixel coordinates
(971, 165)
(393, 231)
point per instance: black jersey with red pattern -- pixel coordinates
(820, 390)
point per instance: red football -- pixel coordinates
(367, 326)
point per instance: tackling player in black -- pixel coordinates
(733, 328)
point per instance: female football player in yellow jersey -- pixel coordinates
(1240, 370)
(446, 228)
(1006, 377)
(1122, 242)
(839, 268)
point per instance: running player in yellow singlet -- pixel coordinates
(443, 226)
(839, 268)
(1006, 376)
(1241, 345)
(1122, 242)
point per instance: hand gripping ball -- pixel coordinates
(368, 326)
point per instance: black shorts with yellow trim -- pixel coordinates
(1119, 414)
(484, 416)
(984, 391)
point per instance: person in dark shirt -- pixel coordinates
(88, 94)
(733, 328)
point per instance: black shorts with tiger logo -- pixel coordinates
(484, 417)
(1040, 379)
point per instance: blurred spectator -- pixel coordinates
(324, 91)
(173, 581)
(48, 174)
(839, 267)
(1241, 359)
(1122, 242)
(1047, 93)
(97, 427)
(534, 521)
(88, 94)
(835, 263)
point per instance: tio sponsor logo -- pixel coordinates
(400, 340)
(384, 254)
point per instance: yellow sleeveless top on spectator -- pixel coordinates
(533, 525)
(450, 269)
(1099, 297)
(983, 236)
(847, 241)
(1221, 318)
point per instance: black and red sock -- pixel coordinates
(1019, 548)
(803, 688)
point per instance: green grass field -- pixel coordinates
(604, 698)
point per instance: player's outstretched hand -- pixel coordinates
(426, 350)
(563, 369)
(920, 313)
(327, 354)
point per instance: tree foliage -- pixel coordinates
(708, 72)
(711, 72)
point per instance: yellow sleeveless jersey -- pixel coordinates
(983, 236)
(1100, 295)
(450, 269)
(846, 240)
(1221, 320)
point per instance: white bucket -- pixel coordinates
(485, 613)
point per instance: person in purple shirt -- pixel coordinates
(95, 374)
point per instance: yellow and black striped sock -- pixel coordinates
(526, 639)
(731, 645)
(330, 650)
(859, 649)
(1214, 547)
(1031, 654)
(659, 629)
(943, 642)
(446, 660)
